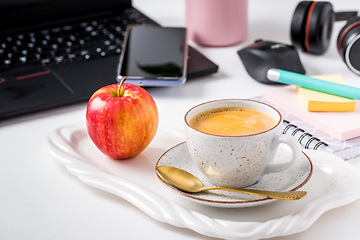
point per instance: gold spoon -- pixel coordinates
(187, 182)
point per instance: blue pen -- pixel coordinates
(282, 76)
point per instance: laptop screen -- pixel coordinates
(19, 14)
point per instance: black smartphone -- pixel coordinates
(154, 56)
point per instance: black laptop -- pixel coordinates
(58, 52)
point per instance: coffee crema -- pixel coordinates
(232, 121)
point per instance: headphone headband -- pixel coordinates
(344, 16)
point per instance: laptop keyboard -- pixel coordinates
(85, 40)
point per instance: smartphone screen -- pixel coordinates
(154, 56)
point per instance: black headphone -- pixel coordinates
(311, 29)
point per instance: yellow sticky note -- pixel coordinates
(322, 102)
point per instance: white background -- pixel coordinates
(40, 199)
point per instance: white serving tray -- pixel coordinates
(334, 183)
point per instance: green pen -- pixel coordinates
(282, 76)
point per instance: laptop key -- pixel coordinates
(71, 56)
(59, 58)
(23, 59)
(7, 62)
(46, 61)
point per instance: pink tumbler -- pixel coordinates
(216, 23)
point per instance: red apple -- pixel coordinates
(121, 119)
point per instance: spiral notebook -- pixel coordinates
(312, 138)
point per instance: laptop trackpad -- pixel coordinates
(36, 89)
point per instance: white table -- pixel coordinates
(40, 199)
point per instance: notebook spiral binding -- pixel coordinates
(307, 140)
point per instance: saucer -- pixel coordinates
(290, 179)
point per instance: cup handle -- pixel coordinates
(296, 153)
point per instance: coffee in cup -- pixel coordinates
(232, 121)
(231, 157)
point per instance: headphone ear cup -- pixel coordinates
(298, 24)
(313, 33)
(348, 44)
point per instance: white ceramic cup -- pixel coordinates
(238, 161)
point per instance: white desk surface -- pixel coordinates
(40, 199)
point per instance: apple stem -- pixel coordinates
(120, 90)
